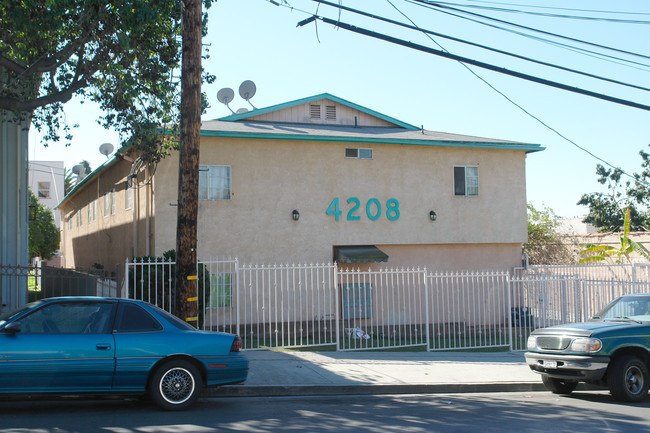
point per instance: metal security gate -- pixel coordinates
(382, 309)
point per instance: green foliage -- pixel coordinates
(152, 283)
(544, 246)
(602, 253)
(607, 210)
(121, 54)
(44, 236)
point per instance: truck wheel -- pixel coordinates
(627, 379)
(175, 385)
(558, 386)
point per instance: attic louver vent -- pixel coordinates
(330, 112)
(314, 111)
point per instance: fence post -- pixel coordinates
(337, 307)
(126, 280)
(509, 310)
(426, 307)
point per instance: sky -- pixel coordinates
(259, 41)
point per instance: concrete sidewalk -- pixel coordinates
(340, 373)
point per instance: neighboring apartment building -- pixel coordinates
(46, 180)
(312, 181)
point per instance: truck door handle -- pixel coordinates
(103, 346)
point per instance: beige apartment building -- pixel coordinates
(315, 180)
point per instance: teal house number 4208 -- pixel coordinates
(374, 209)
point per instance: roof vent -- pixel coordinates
(314, 111)
(330, 112)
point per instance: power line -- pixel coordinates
(507, 53)
(434, 5)
(560, 9)
(381, 36)
(544, 14)
(338, 23)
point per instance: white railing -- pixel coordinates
(287, 306)
(383, 309)
(469, 310)
(272, 306)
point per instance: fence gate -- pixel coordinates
(382, 309)
(469, 311)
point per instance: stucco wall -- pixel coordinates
(106, 240)
(271, 178)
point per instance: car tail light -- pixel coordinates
(236, 344)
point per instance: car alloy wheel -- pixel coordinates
(175, 385)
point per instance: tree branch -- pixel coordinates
(14, 104)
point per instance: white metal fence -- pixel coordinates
(350, 309)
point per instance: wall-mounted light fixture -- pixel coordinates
(433, 215)
(295, 215)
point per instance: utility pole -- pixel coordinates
(188, 164)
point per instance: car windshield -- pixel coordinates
(634, 308)
(11, 314)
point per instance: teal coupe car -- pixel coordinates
(87, 345)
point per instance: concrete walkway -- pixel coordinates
(339, 373)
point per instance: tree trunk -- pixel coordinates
(188, 165)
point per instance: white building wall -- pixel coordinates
(46, 180)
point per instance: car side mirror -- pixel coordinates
(12, 328)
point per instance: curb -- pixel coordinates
(328, 390)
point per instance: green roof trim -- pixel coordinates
(88, 178)
(403, 141)
(260, 111)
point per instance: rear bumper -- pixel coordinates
(570, 367)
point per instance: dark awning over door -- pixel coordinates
(359, 254)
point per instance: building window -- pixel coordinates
(107, 205)
(466, 181)
(128, 195)
(221, 290)
(214, 182)
(43, 189)
(353, 152)
(113, 201)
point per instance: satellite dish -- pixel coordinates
(225, 96)
(78, 169)
(247, 90)
(106, 149)
(242, 110)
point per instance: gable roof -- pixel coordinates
(255, 125)
(302, 101)
(243, 125)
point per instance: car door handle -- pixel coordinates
(103, 346)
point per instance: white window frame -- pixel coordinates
(209, 179)
(470, 181)
(43, 189)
